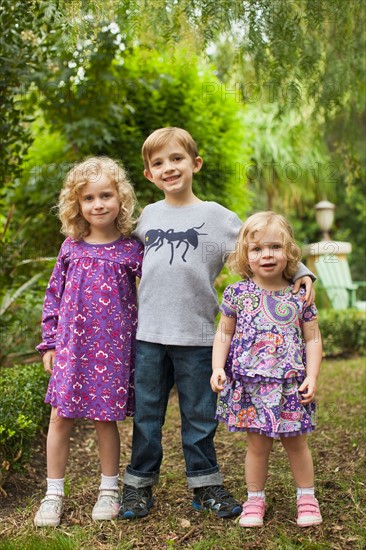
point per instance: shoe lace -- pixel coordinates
(132, 494)
(220, 492)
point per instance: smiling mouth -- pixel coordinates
(268, 265)
(171, 179)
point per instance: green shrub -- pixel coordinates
(22, 413)
(343, 332)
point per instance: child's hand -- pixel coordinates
(48, 360)
(307, 390)
(309, 288)
(218, 380)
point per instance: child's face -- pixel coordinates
(171, 169)
(267, 255)
(99, 203)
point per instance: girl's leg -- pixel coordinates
(300, 458)
(256, 461)
(109, 447)
(107, 505)
(256, 469)
(58, 445)
(301, 463)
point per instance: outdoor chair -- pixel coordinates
(335, 277)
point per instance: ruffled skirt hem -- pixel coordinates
(274, 435)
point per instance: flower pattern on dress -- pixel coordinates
(266, 361)
(90, 319)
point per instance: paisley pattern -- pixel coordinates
(90, 319)
(266, 361)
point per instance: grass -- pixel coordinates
(338, 447)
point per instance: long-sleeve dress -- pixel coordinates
(90, 320)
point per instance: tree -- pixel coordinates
(315, 47)
(290, 167)
(26, 35)
(109, 108)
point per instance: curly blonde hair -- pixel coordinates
(238, 261)
(73, 223)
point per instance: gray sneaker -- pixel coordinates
(107, 505)
(136, 502)
(217, 499)
(50, 512)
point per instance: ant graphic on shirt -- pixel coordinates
(154, 238)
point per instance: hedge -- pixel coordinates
(22, 414)
(343, 332)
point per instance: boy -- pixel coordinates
(186, 240)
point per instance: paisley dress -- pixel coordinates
(266, 363)
(90, 320)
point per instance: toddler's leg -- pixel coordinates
(58, 446)
(107, 505)
(300, 458)
(302, 467)
(256, 470)
(256, 461)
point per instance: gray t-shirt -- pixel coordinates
(184, 252)
(185, 249)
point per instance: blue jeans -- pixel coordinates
(158, 367)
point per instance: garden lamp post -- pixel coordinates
(328, 260)
(324, 214)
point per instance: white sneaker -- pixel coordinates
(107, 505)
(50, 512)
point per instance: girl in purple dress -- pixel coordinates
(266, 360)
(88, 326)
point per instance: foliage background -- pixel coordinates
(273, 91)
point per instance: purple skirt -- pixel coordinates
(270, 407)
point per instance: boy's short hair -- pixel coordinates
(162, 136)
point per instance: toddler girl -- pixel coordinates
(266, 359)
(88, 326)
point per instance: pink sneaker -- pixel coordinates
(308, 512)
(253, 512)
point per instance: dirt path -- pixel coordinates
(339, 455)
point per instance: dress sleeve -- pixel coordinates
(52, 301)
(308, 313)
(137, 258)
(140, 258)
(229, 304)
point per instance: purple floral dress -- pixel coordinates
(90, 319)
(266, 361)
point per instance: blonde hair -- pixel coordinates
(91, 169)
(162, 136)
(238, 260)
